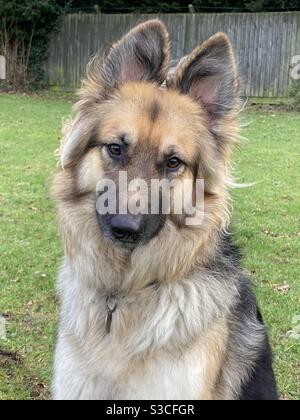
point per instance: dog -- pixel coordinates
(153, 307)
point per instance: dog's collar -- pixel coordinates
(111, 306)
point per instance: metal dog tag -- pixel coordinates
(111, 305)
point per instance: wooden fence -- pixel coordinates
(265, 44)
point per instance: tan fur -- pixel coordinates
(215, 344)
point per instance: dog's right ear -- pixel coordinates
(141, 55)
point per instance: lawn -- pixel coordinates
(266, 219)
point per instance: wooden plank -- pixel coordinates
(267, 81)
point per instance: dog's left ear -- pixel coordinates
(141, 55)
(209, 75)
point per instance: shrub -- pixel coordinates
(295, 96)
(24, 33)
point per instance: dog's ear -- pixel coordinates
(141, 55)
(209, 75)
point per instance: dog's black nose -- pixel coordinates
(127, 227)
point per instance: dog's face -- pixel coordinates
(149, 134)
(127, 123)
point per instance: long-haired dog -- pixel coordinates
(153, 307)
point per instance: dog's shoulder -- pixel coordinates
(261, 384)
(247, 369)
(249, 345)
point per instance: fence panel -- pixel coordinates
(265, 44)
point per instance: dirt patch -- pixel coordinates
(38, 390)
(7, 316)
(8, 357)
(12, 362)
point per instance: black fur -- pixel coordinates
(244, 319)
(262, 384)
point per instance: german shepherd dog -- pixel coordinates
(153, 307)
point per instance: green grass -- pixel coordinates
(29, 245)
(267, 221)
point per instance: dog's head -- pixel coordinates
(127, 123)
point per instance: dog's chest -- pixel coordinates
(162, 377)
(145, 364)
(149, 353)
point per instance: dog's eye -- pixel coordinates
(174, 163)
(114, 149)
